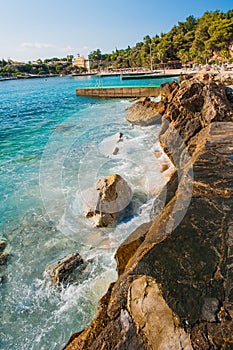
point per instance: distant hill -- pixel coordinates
(199, 40)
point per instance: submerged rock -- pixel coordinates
(3, 244)
(66, 270)
(113, 199)
(4, 253)
(3, 258)
(110, 145)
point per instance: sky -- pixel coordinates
(32, 29)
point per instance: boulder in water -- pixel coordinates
(3, 253)
(65, 271)
(145, 112)
(113, 198)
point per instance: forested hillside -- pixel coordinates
(208, 38)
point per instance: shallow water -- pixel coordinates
(54, 147)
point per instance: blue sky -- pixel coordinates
(32, 29)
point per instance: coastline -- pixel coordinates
(51, 108)
(160, 265)
(52, 242)
(29, 77)
(155, 74)
(43, 76)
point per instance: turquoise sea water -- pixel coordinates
(54, 147)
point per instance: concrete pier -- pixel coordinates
(119, 91)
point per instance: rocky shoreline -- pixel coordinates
(175, 273)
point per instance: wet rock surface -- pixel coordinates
(113, 200)
(4, 253)
(175, 285)
(145, 112)
(65, 270)
(128, 248)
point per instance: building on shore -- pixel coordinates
(82, 62)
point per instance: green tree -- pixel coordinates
(95, 55)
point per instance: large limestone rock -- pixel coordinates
(113, 199)
(198, 102)
(175, 289)
(151, 313)
(145, 112)
(133, 315)
(191, 261)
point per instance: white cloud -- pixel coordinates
(69, 48)
(34, 50)
(36, 45)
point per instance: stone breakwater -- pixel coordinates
(175, 284)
